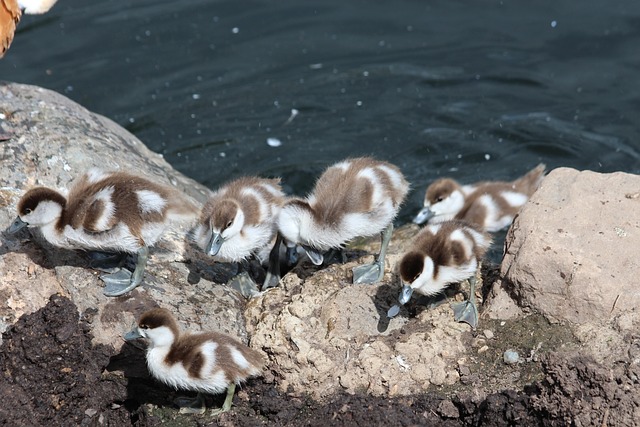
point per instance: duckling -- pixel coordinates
(206, 362)
(490, 204)
(357, 197)
(239, 221)
(441, 254)
(10, 14)
(114, 212)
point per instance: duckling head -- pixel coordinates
(416, 272)
(443, 199)
(156, 325)
(225, 222)
(38, 207)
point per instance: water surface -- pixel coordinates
(469, 89)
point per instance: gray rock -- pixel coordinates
(53, 141)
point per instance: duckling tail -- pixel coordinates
(530, 182)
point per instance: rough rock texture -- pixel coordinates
(326, 335)
(53, 140)
(572, 253)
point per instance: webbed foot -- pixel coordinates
(270, 281)
(244, 284)
(118, 283)
(123, 281)
(191, 405)
(466, 312)
(368, 273)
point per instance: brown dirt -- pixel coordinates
(53, 376)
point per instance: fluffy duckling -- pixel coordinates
(441, 254)
(354, 198)
(10, 14)
(206, 362)
(113, 212)
(239, 221)
(492, 205)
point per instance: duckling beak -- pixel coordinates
(405, 294)
(313, 254)
(215, 243)
(133, 334)
(423, 216)
(17, 225)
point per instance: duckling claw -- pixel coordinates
(466, 312)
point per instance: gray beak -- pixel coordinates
(133, 334)
(315, 256)
(423, 216)
(405, 294)
(17, 225)
(214, 245)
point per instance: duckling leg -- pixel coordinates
(373, 273)
(106, 261)
(123, 281)
(227, 401)
(467, 311)
(191, 405)
(273, 271)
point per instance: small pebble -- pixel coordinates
(489, 334)
(511, 357)
(483, 349)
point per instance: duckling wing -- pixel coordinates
(93, 212)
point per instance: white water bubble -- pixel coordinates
(554, 24)
(274, 142)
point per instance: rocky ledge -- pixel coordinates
(564, 302)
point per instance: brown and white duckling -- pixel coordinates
(353, 198)
(206, 362)
(239, 221)
(490, 204)
(113, 212)
(10, 14)
(439, 255)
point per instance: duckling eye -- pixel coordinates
(439, 199)
(143, 326)
(27, 211)
(229, 224)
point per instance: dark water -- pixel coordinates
(471, 89)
